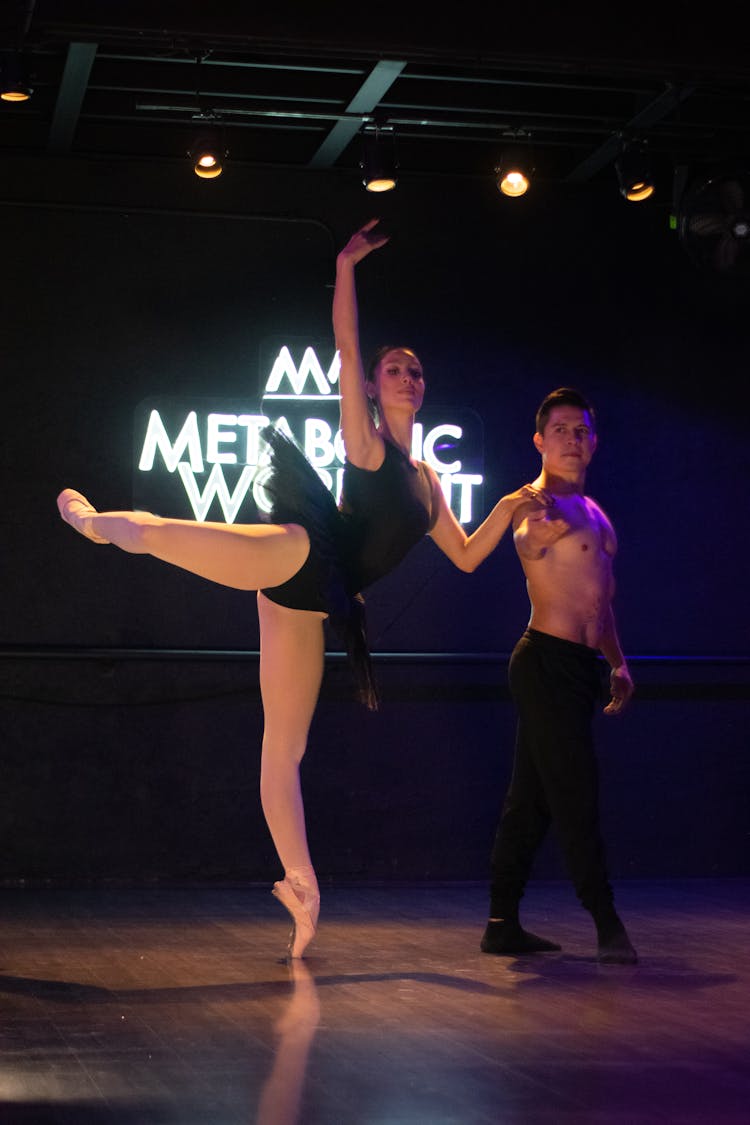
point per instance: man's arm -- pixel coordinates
(620, 683)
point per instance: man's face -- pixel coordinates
(568, 442)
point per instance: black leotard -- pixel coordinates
(383, 513)
(386, 512)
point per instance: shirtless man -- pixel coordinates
(566, 550)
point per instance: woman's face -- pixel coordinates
(399, 382)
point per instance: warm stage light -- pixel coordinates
(638, 190)
(380, 183)
(634, 173)
(378, 162)
(513, 173)
(207, 155)
(513, 184)
(15, 95)
(208, 166)
(15, 82)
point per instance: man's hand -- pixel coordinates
(539, 530)
(621, 689)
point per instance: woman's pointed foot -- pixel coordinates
(76, 510)
(303, 904)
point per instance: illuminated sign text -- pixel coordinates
(219, 458)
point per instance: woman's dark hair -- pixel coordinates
(382, 351)
(563, 396)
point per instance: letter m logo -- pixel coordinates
(309, 372)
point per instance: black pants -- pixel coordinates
(555, 685)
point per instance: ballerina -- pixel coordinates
(313, 559)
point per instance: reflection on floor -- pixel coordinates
(175, 1007)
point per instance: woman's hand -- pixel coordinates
(362, 242)
(527, 493)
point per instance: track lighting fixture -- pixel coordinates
(378, 162)
(208, 152)
(633, 169)
(208, 155)
(513, 173)
(15, 85)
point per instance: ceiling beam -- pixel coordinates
(609, 150)
(78, 63)
(378, 82)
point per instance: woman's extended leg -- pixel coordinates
(291, 670)
(243, 556)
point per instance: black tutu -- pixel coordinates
(298, 495)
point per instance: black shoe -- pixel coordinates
(614, 946)
(506, 939)
(616, 949)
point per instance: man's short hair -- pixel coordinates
(563, 396)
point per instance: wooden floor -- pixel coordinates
(175, 1006)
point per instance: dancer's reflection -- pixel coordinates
(281, 1095)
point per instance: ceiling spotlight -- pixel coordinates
(15, 79)
(513, 173)
(378, 162)
(633, 169)
(208, 155)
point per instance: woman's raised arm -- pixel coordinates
(363, 444)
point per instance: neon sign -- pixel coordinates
(205, 459)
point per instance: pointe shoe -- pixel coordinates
(74, 509)
(304, 907)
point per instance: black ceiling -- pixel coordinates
(293, 87)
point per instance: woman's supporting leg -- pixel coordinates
(291, 670)
(249, 557)
(243, 556)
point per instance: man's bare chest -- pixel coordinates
(584, 529)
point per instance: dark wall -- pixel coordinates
(128, 282)
(120, 768)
